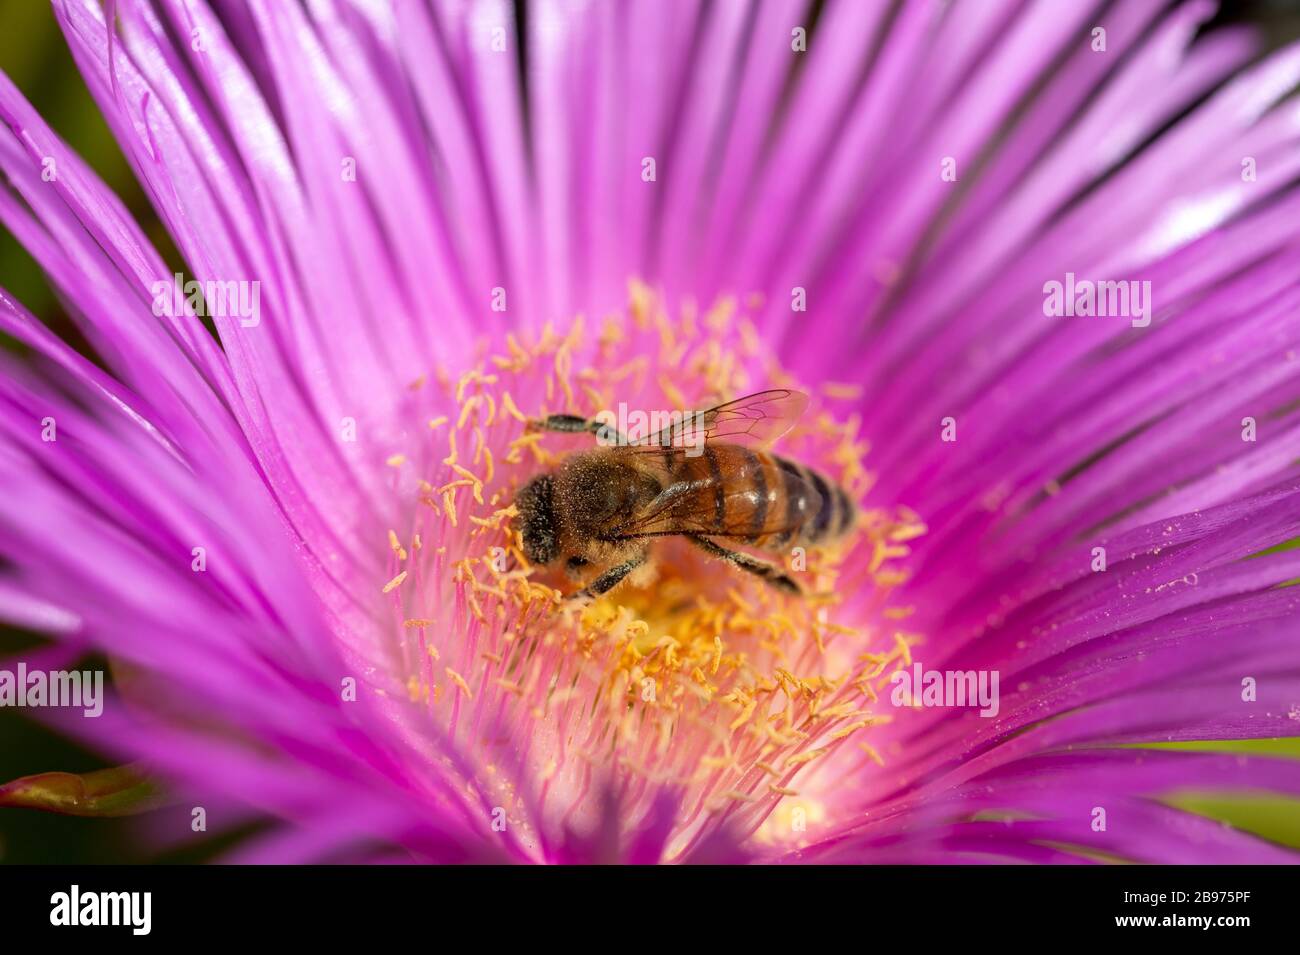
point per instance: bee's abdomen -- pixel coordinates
(817, 508)
(773, 502)
(763, 499)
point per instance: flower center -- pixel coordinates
(691, 677)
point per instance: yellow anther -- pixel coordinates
(800, 758)
(460, 682)
(842, 390)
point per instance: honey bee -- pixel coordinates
(598, 513)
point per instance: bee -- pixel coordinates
(600, 511)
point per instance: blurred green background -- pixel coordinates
(34, 56)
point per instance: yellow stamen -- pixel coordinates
(649, 665)
(459, 681)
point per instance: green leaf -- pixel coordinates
(120, 791)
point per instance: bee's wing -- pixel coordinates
(758, 418)
(696, 507)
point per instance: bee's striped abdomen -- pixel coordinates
(786, 503)
(819, 508)
(761, 498)
(719, 487)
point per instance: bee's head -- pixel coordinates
(535, 521)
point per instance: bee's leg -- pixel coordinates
(610, 578)
(760, 568)
(572, 424)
